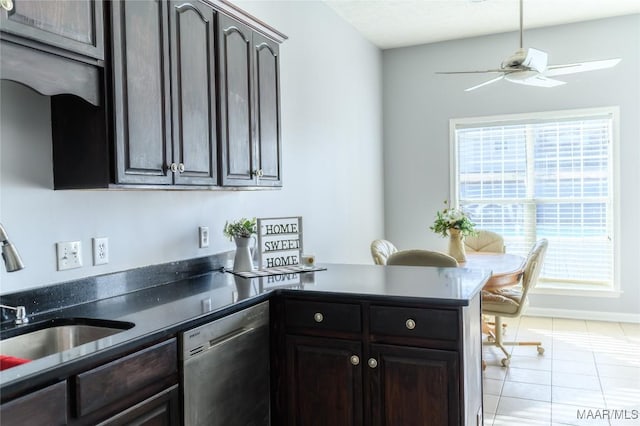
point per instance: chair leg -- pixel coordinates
(493, 324)
(499, 343)
(495, 338)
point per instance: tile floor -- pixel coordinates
(588, 367)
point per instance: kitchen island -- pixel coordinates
(364, 308)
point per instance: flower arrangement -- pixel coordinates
(243, 228)
(452, 218)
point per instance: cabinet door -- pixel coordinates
(323, 382)
(267, 110)
(413, 386)
(141, 92)
(236, 103)
(75, 25)
(193, 33)
(161, 409)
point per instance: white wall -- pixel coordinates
(332, 152)
(418, 105)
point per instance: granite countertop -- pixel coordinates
(167, 309)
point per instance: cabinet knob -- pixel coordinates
(181, 168)
(6, 5)
(258, 173)
(411, 324)
(318, 317)
(372, 363)
(355, 360)
(173, 167)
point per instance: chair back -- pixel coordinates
(532, 268)
(421, 258)
(381, 250)
(486, 241)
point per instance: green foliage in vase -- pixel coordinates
(452, 218)
(240, 228)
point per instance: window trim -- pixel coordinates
(557, 115)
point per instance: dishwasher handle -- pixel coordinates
(229, 336)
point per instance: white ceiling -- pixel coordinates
(397, 23)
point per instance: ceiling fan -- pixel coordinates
(530, 67)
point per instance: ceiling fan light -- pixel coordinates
(536, 59)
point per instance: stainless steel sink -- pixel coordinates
(39, 340)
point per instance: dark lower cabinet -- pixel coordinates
(413, 386)
(139, 388)
(384, 365)
(324, 381)
(44, 407)
(126, 381)
(162, 409)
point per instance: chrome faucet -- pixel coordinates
(10, 254)
(21, 313)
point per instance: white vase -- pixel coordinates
(456, 245)
(242, 261)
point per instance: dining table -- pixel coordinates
(506, 269)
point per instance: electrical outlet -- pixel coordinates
(100, 250)
(69, 255)
(204, 236)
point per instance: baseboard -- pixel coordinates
(583, 315)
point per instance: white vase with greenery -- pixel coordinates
(455, 224)
(242, 231)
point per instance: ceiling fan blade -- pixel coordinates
(553, 70)
(538, 80)
(493, 80)
(471, 72)
(536, 59)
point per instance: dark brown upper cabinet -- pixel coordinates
(192, 102)
(53, 47)
(193, 75)
(164, 92)
(249, 106)
(159, 126)
(141, 92)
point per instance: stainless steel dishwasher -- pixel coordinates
(226, 370)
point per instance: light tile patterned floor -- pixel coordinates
(589, 374)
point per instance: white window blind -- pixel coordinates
(545, 178)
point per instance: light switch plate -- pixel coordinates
(69, 255)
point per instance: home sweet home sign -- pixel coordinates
(279, 241)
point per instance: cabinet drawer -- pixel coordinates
(323, 316)
(45, 407)
(120, 378)
(436, 324)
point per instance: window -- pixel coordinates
(544, 175)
